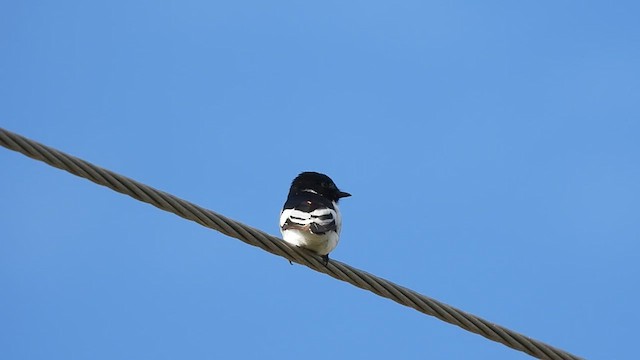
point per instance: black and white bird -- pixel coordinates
(310, 217)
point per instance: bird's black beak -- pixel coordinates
(342, 194)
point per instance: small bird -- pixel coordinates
(310, 217)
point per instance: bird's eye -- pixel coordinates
(328, 185)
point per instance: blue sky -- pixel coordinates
(491, 149)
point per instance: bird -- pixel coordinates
(310, 217)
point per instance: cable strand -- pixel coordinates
(276, 246)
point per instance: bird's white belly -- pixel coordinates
(322, 244)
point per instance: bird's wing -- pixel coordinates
(308, 216)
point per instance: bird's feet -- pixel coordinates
(325, 259)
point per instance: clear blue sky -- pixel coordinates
(492, 150)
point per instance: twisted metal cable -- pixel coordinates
(276, 246)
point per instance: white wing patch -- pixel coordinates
(319, 216)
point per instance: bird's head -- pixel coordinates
(317, 183)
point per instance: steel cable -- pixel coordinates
(276, 246)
